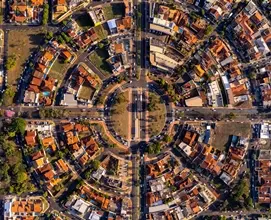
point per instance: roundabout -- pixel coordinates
(137, 111)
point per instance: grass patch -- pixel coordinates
(98, 59)
(86, 92)
(108, 12)
(101, 33)
(99, 128)
(58, 70)
(157, 116)
(84, 21)
(120, 114)
(220, 135)
(114, 11)
(21, 43)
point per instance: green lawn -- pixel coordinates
(98, 59)
(58, 69)
(108, 12)
(101, 33)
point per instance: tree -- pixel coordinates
(167, 138)
(45, 16)
(100, 45)
(209, 30)
(10, 63)
(60, 154)
(8, 96)
(21, 177)
(252, 75)
(49, 35)
(95, 164)
(18, 125)
(231, 116)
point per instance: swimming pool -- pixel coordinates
(47, 94)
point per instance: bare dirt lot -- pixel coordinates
(20, 44)
(220, 135)
(120, 114)
(157, 116)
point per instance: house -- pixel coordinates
(49, 142)
(199, 71)
(30, 138)
(39, 162)
(62, 166)
(68, 127)
(22, 208)
(190, 138)
(84, 159)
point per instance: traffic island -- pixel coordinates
(120, 114)
(156, 115)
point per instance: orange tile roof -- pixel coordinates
(39, 162)
(49, 175)
(82, 71)
(30, 138)
(47, 56)
(27, 206)
(239, 90)
(62, 165)
(127, 22)
(189, 137)
(37, 2)
(40, 67)
(37, 155)
(118, 48)
(33, 88)
(61, 2)
(257, 17)
(68, 127)
(48, 141)
(47, 85)
(38, 74)
(84, 159)
(67, 54)
(45, 168)
(36, 81)
(79, 127)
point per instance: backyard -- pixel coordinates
(223, 130)
(98, 59)
(120, 112)
(21, 44)
(156, 114)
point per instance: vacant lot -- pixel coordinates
(86, 92)
(59, 70)
(156, 116)
(101, 32)
(20, 44)
(98, 59)
(223, 130)
(113, 11)
(120, 114)
(84, 21)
